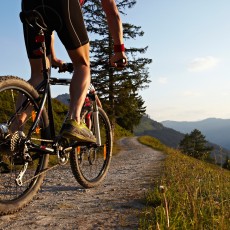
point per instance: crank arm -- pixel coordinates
(76, 144)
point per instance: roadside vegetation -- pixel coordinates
(192, 194)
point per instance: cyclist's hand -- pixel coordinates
(57, 63)
(65, 67)
(119, 60)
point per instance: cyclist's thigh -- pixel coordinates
(72, 33)
(64, 16)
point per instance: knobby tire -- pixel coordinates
(89, 164)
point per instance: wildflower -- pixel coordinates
(162, 189)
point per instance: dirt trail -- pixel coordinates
(63, 204)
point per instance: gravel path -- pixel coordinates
(116, 204)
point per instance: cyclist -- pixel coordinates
(65, 17)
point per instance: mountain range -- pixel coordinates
(214, 129)
(171, 137)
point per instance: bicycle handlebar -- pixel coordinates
(68, 67)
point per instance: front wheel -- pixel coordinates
(90, 164)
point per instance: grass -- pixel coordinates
(191, 194)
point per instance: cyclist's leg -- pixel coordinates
(36, 70)
(78, 89)
(75, 39)
(36, 74)
(80, 81)
(35, 79)
(31, 45)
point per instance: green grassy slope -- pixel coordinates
(191, 194)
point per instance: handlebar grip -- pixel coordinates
(65, 67)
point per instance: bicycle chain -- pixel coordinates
(39, 174)
(45, 170)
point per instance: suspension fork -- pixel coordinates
(96, 123)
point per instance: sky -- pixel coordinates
(188, 41)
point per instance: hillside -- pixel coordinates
(153, 128)
(64, 98)
(172, 137)
(215, 130)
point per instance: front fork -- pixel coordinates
(96, 124)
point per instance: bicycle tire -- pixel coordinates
(89, 164)
(13, 197)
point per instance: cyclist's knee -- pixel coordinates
(80, 56)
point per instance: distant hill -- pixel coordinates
(171, 137)
(64, 98)
(215, 130)
(153, 128)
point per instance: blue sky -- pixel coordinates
(189, 42)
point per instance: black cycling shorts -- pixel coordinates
(63, 16)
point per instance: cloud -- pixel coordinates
(203, 63)
(163, 80)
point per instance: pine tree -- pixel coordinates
(118, 90)
(195, 145)
(226, 164)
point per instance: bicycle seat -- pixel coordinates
(34, 19)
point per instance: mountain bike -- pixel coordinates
(28, 137)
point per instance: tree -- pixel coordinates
(226, 164)
(195, 145)
(129, 115)
(118, 90)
